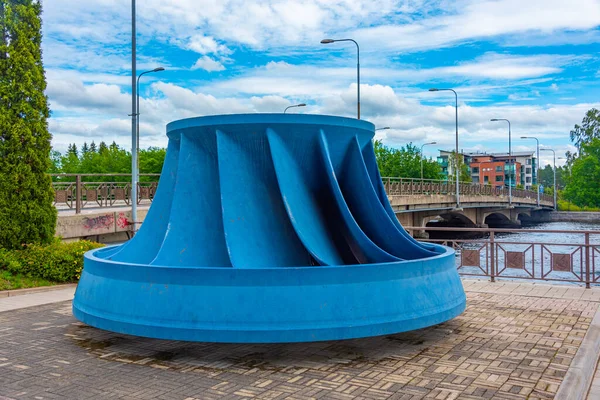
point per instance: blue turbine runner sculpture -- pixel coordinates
(269, 228)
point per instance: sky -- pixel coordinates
(534, 62)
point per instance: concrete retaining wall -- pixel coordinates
(574, 216)
(103, 226)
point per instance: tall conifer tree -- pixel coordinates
(27, 214)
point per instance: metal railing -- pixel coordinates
(411, 187)
(575, 257)
(79, 191)
(73, 191)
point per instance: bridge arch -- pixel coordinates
(451, 219)
(500, 219)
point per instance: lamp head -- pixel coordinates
(327, 41)
(433, 143)
(494, 119)
(301, 105)
(434, 90)
(158, 69)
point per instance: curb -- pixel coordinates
(21, 292)
(579, 376)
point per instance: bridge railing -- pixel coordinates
(412, 187)
(79, 191)
(542, 255)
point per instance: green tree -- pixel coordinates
(27, 214)
(583, 188)
(84, 148)
(588, 130)
(458, 164)
(102, 147)
(73, 150)
(547, 177)
(404, 162)
(93, 147)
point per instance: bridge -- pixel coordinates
(417, 202)
(89, 207)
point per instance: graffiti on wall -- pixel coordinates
(122, 221)
(99, 222)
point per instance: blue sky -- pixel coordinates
(535, 62)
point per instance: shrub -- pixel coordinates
(57, 262)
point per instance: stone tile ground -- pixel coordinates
(505, 346)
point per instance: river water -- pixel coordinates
(571, 237)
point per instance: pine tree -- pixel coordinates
(84, 148)
(103, 148)
(27, 213)
(73, 150)
(92, 147)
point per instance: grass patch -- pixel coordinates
(9, 281)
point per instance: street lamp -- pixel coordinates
(328, 41)
(423, 145)
(136, 147)
(295, 105)
(554, 159)
(380, 129)
(133, 122)
(456, 150)
(537, 172)
(509, 160)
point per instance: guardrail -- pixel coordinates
(574, 257)
(79, 191)
(411, 187)
(71, 191)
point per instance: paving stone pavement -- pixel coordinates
(505, 346)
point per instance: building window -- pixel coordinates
(499, 178)
(486, 179)
(528, 161)
(498, 168)
(528, 179)
(475, 170)
(528, 171)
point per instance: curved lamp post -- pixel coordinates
(328, 41)
(295, 105)
(509, 160)
(380, 129)
(554, 159)
(423, 145)
(456, 120)
(136, 147)
(537, 172)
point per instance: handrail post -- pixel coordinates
(78, 194)
(492, 257)
(587, 260)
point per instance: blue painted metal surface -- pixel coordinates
(269, 228)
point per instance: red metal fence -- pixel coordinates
(553, 255)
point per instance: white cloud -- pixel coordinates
(208, 64)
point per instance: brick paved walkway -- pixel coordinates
(505, 346)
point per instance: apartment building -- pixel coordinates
(493, 168)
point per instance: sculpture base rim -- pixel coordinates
(273, 305)
(268, 336)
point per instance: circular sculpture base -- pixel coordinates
(268, 305)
